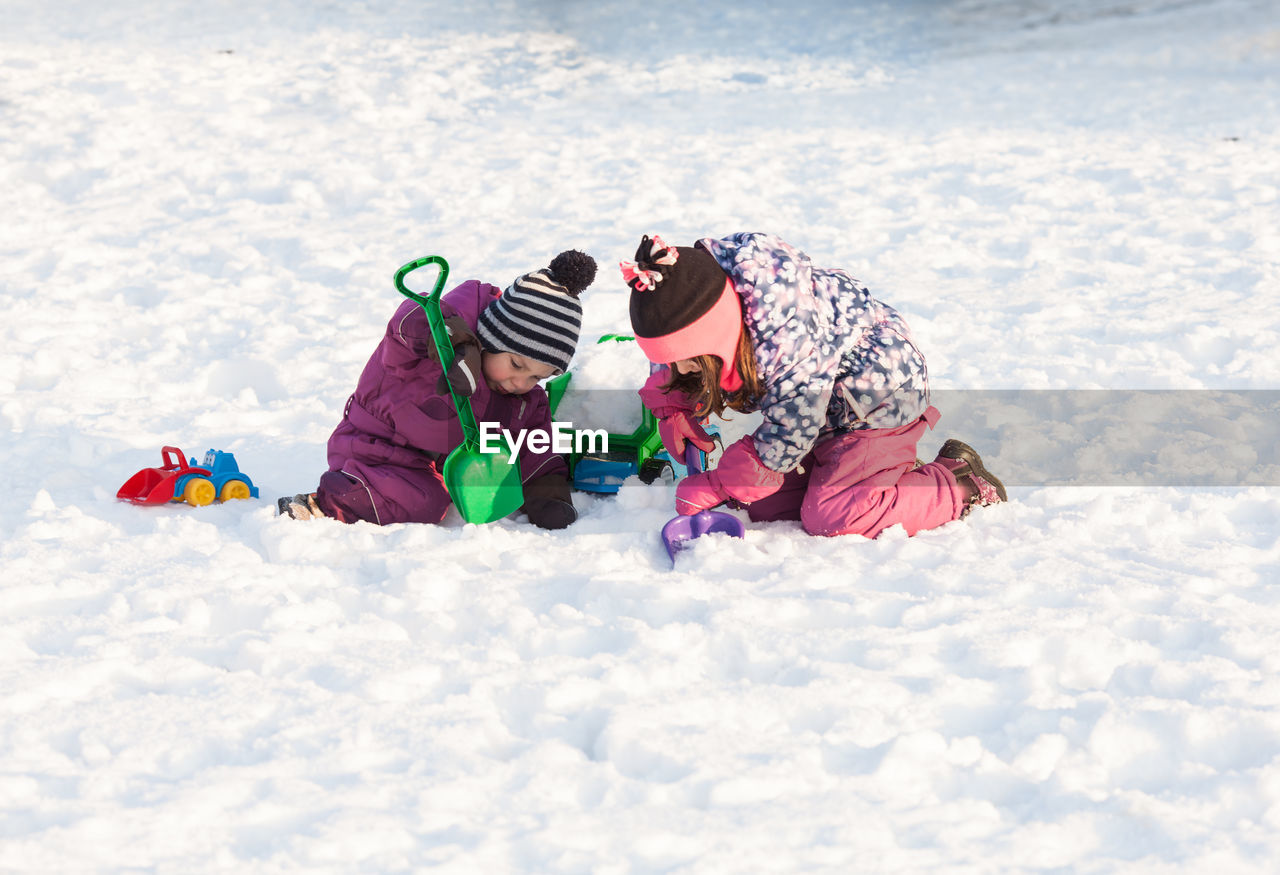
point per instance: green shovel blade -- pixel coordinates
(484, 486)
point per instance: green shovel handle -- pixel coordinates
(440, 337)
(441, 277)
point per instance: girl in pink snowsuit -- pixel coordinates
(747, 322)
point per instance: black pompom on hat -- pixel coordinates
(539, 316)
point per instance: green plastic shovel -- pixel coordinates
(485, 486)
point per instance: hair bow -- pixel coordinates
(653, 254)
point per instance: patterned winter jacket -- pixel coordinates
(831, 358)
(396, 417)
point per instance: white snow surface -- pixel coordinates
(203, 206)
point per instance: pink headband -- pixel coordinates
(715, 332)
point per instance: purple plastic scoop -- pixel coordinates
(682, 529)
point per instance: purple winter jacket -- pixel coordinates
(397, 428)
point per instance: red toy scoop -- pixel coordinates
(141, 488)
(155, 485)
(678, 531)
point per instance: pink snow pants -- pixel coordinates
(863, 482)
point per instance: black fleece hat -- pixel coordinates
(687, 290)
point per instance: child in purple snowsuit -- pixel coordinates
(748, 322)
(400, 424)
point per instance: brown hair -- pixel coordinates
(704, 386)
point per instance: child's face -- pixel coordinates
(511, 374)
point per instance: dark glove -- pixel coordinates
(465, 372)
(460, 334)
(548, 502)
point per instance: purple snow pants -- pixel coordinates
(383, 494)
(863, 482)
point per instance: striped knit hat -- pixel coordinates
(539, 316)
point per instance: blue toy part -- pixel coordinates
(606, 472)
(217, 477)
(227, 479)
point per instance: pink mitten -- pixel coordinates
(676, 422)
(678, 426)
(740, 476)
(697, 492)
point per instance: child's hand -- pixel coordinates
(698, 492)
(548, 502)
(464, 372)
(740, 477)
(679, 426)
(460, 334)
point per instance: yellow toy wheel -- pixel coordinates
(233, 489)
(199, 492)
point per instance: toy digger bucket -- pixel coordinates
(679, 531)
(154, 485)
(484, 486)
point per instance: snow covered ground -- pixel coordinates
(202, 208)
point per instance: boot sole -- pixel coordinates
(959, 450)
